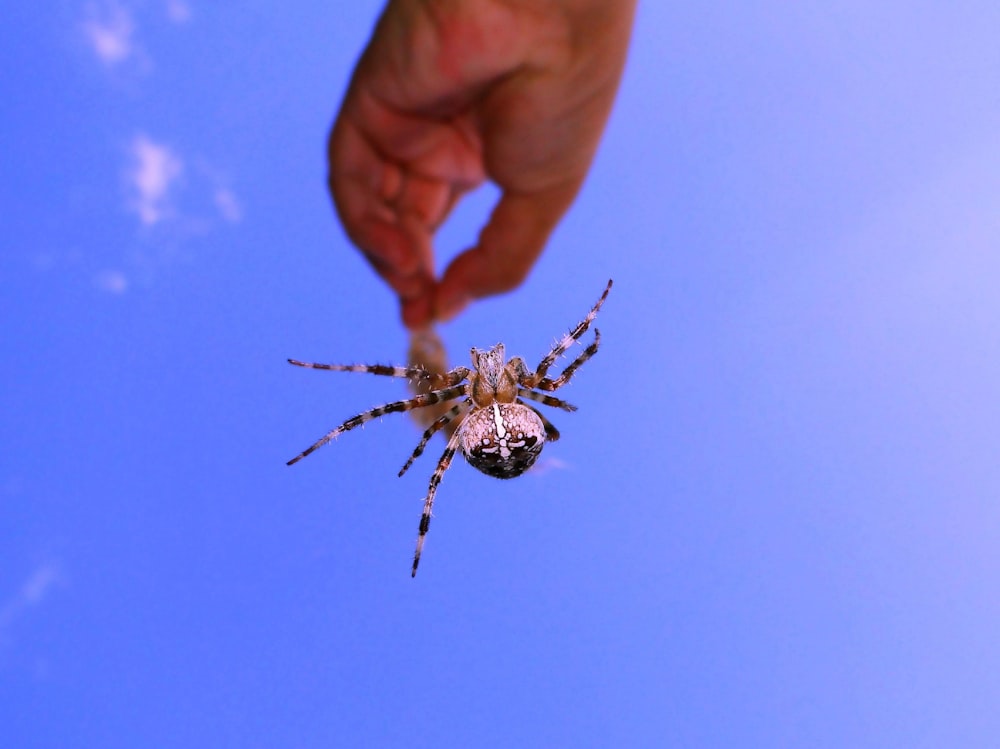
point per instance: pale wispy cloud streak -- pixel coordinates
(545, 465)
(228, 205)
(112, 281)
(151, 177)
(31, 593)
(178, 11)
(110, 30)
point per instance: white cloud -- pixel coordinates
(178, 11)
(110, 30)
(164, 188)
(151, 178)
(228, 205)
(112, 281)
(31, 593)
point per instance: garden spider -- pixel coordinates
(499, 434)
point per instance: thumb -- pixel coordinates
(508, 247)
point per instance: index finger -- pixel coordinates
(362, 183)
(508, 247)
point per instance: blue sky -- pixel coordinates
(774, 520)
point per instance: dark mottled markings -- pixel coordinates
(519, 460)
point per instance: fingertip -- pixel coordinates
(480, 272)
(416, 312)
(449, 303)
(508, 246)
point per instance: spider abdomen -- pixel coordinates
(502, 439)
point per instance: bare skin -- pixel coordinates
(450, 93)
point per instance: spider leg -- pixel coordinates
(546, 384)
(435, 396)
(567, 340)
(551, 433)
(438, 424)
(410, 373)
(425, 518)
(548, 400)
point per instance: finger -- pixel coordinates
(360, 182)
(390, 213)
(449, 149)
(508, 247)
(417, 242)
(427, 202)
(417, 312)
(446, 148)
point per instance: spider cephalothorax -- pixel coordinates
(499, 434)
(501, 437)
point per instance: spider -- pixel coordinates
(499, 433)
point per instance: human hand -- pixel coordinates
(451, 92)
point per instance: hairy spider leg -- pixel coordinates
(567, 340)
(425, 518)
(442, 421)
(419, 401)
(409, 373)
(562, 379)
(544, 399)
